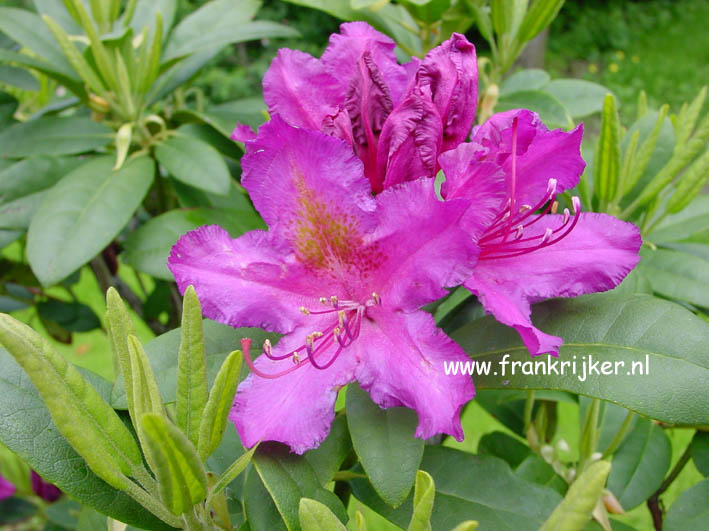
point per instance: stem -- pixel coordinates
(653, 502)
(589, 436)
(145, 479)
(192, 521)
(619, 436)
(152, 505)
(528, 407)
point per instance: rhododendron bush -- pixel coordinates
(409, 295)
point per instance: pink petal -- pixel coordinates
(451, 72)
(296, 409)
(243, 133)
(297, 87)
(595, 256)
(425, 246)
(402, 365)
(7, 489)
(410, 141)
(248, 281)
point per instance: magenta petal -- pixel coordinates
(243, 133)
(541, 154)
(342, 55)
(295, 176)
(247, 281)
(483, 183)
(595, 256)
(425, 246)
(410, 141)
(402, 364)
(44, 489)
(296, 409)
(7, 489)
(297, 87)
(451, 72)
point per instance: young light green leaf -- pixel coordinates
(123, 139)
(628, 160)
(103, 60)
(468, 525)
(182, 481)
(124, 85)
(316, 516)
(192, 389)
(607, 158)
(424, 494)
(231, 473)
(538, 17)
(216, 410)
(642, 104)
(690, 509)
(574, 512)
(639, 161)
(87, 422)
(146, 396)
(119, 327)
(690, 184)
(149, 66)
(77, 61)
(385, 444)
(688, 119)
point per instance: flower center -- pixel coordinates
(340, 334)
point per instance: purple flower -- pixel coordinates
(43, 489)
(342, 274)
(511, 170)
(7, 489)
(397, 118)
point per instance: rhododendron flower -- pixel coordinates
(512, 171)
(342, 274)
(7, 489)
(397, 118)
(44, 489)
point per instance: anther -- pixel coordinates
(520, 230)
(506, 216)
(554, 207)
(576, 203)
(547, 235)
(295, 358)
(333, 300)
(377, 299)
(267, 347)
(551, 188)
(567, 215)
(323, 300)
(304, 310)
(524, 208)
(341, 316)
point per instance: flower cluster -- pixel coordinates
(357, 241)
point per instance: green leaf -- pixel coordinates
(259, 507)
(84, 213)
(216, 410)
(72, 316)
(551, 110)
(327, 458)
(27, 429)
(424, 494)
(524, 80)
(504, 446)
(683, 225)
(574, 512)
(148, 248)
(182, 481)
(119, 326)
(536, 470)
(33, 175)
(27, 29)
(192, 392)
(640, 464)
(195, 163)
(315, 516)
(219, 340)
(288, 478)
(219, 23)
(700, 452)
(690, 184)
(470, 486)
(607, 158)
(209, 135)
(231, 473)
(649, 159)
(18, 77)
(80, 414)
(385, 444)
(146, 13)
(690, 511)
(53, 135)
(146, 396)
(580, 97)
(677, 275)
(45, 67)
(223, 117)
(538, 17)
(640, 331)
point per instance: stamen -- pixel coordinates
(547, 235)
(520, 229)
(377, 299)
(296, 358)
(333, 300)
(267, 347)
(554, 207)
(524, 208)
(566, 215)
(304, 310)
(341, 315)
(323, 300)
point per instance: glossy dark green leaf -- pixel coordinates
(33, 175)
(162, 351)
(27, 429)
(261, 511)
(14, 510)
(315, 516)
(327, 458)
(288, 478)
(690, 511)
(506, 447)
(677, 275)
(193, 162)
(84, 213)
(580, 97)
(529, 79)
(212, 136)
(385, 444)
(536, 470)
(54, 135)
(18, 77)
(72, 316)
(640, 464)
(700, 452)
(219, 23)
(683, 225)
(148, 248)
(643, 334)
(551, 110)
(225, 116)
(471, 487)
(146, 12)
